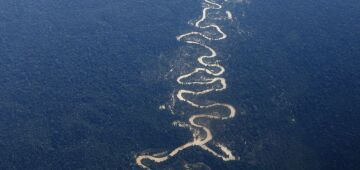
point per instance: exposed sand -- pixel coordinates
(200, 141)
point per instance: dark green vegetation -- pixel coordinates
(81, 82)
(297, 76)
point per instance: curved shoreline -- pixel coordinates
(198, 140)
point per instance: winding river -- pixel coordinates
(201, 134)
